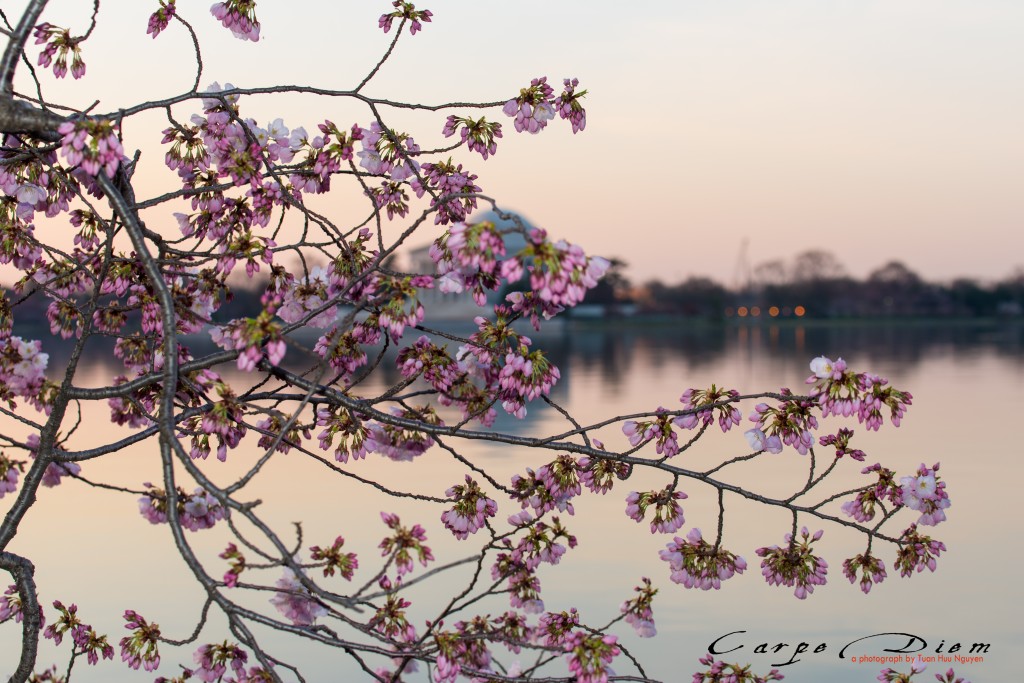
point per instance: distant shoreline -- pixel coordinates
(642, 320)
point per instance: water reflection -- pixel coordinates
(93, 547)
(614, 351)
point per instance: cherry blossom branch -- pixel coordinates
(153, 303)
(22, 571)
(387, 54)
(13, 50)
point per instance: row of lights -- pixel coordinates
(773, 311)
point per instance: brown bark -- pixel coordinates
(21, 117)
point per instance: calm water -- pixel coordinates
(92, 547)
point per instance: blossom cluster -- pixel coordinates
(479, 135)
(872, 570)
(220, 144)
(658, 430)
(926, 493)
(213, 659)
(862, 507)
(451, 190)
(541, 541)
(17, 243)
(720, 672)
(390, 618)
(917, 552)
(10, 605)
(401, 307)
(517, 563)
(533, 107)
(239, 17)
(760, 441)
(406, 11)
(142, 647)
(22, 368)
(334, 560)
(569, 107)
(553, 627)
(589, 656)
(9, 471)
(552, 487)
(668, 514)
(560, 272)
(536, 105)
(323, 155)
(599, 474)
(950, 677)
(526, 375)
(523, 585)
(790, 423)
(399, 443)
(350, 433)
(463, 647)
(388, 152)
(404, 544)
(841, 391)
(270, 429)
(471, 510)
(311, 294)
(704, 403)
(889, 675)
(31, 185)
(198, 510)
(59, 43)
(222, 420)
(467, 258)
(509, 371)
(638, 610)
(93, 145)
(794, 564)
(695, 563)
(294, 601)
(431, 362)
(161, 19)
(249, 336)
(391, 197)
(86, 641)
(836, 391)
(236, 564)
(345, 351)
(841, 441)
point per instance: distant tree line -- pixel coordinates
(814, 281)
(817, 284)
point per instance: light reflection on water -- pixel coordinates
(93, 548)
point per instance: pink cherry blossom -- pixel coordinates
(471, 510)
(238, 16)
(294, 601)
(794, 565)
(161, 19)
(695, 563)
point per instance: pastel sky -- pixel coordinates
(876, 129)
